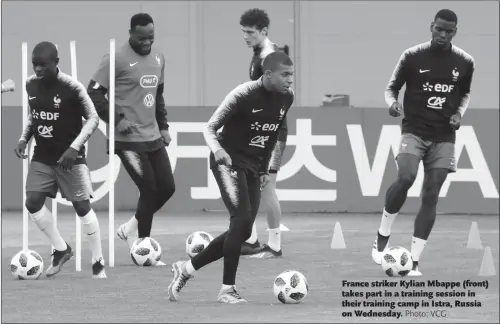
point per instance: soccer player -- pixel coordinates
(255, 25)
(57, 104)
(438, 77)
(141, 122)
(8, 86)
(251, 116)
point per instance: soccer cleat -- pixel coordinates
(180, 279)
(414, 271)
(379, 246)
(230, 296)
(266, 252)
(58, 259)
(250, 248)
(98, 271)
(125, 236)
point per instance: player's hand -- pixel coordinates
(166, 136)
(8, 85)
(395, 110)
(68, 159)
(222, 158)
(455, 121)
(20, 149)
(125, 126)
(264, 180)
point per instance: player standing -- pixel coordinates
(141, 122)
(255, 24)
(57, 104)
(251, 116)
(438, 77)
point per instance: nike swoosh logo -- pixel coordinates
(132, 64)
(31, 98)
(423, 71)
(255, 110)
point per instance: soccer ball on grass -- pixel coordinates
(291, 287)
(26, 265)
(196, 242)
(145, 252)
(397, 261)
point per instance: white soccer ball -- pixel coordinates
(291, 287)
(397, 261)
(26, 265)
(196, 242)
(145, 252)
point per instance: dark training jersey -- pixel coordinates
(437, 86)
(250, 117)
(256, 71)
(56, 109)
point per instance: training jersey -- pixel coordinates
(56, 109)
(250, 117)
(137, 78)
(437, 86)
(256, 71)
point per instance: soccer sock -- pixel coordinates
(386, 223)
(132, 226)
(253, 236)
(45, 222)
(91, 228)
(226, 287)
(417, 247)
(275, 239)
(189, 268)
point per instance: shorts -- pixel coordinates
(434, 155)
(276, 157)
(74, 185)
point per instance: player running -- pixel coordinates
(251, 116)
(255, 25)
(141, 122)
(438, 77)
(57, 104)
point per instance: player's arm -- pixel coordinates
(97, 90)
(397, 80)
(464, 87)
(222, 114)
(161, 110)
(28, 130)
(89, 113)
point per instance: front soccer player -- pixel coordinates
(141, 122)
(251, 116)
(255, 24)
(57, 104)
(438, 77)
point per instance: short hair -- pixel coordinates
(273, 61)
(447, 15)
(140, 19)
(255, 17)
(46, 47)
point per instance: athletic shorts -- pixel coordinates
(276, 157)
(434, 155)
(74, 184)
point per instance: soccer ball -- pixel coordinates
(291, 287)
(26, 265)
(397, 261)
(145, 252)
(196, 242)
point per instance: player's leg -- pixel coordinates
(164, 176)
(75, 185)
(234, 193)
(411, 151)
(139, 168)
(41, 183)
(438, 162)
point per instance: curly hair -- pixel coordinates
(255, 17)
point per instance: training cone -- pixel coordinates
(474, 241)
(338, 237)
(487, 265)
